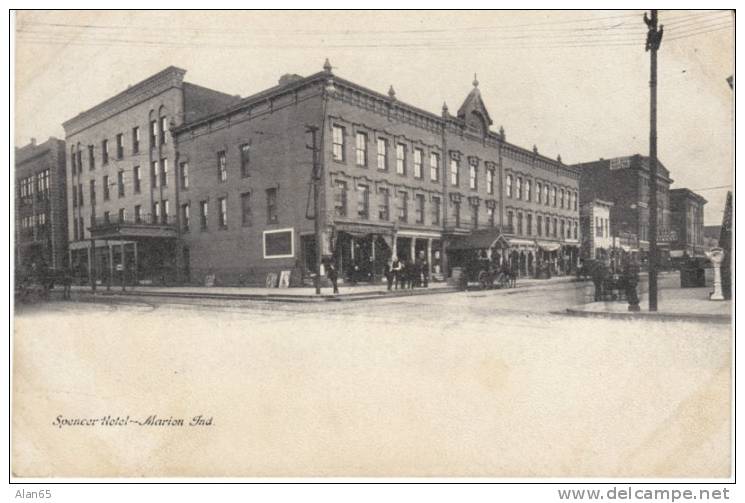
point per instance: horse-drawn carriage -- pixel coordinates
(479, 258)
(36, 283)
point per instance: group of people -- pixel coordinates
(624, 280)
(403, 273)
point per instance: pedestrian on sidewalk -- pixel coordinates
(396, 269)
(389, 273)
(599, 275)
(332, 275)
(631, 280)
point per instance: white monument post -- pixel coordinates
(716, 255)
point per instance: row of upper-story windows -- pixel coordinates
(34, 184)
(222, 210)
(120, 183)
(543, 193)
(29, 222)
(523, 224)
(473, 176)
(157, 129)
(602, 227)
(420, 164)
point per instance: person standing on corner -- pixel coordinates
(396, 271)
(332, 275)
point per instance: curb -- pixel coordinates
(708, 318)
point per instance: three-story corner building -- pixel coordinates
(40, 205)
(687, 220)
(625, 182)
(395, 180)
(121, 186)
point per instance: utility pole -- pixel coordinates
(316, 180)
(654, 38)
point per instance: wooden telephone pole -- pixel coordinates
(313, 130)
(654, 38)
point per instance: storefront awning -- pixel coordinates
(677, 253)
(479, 240)
(521, 243)
(548, 245)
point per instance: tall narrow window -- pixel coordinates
(74, 197)
(105, 152)
(138, 214)
(122, 215)
(538, 194)
(384, 209)
(436, 210)
(454, 173)
(156, 212)
(510, 222)
(185, 217)
(527, 190)
(91, 158)
(271, 206)
(361, 149)
(154, 174)
(419, 208)
(337, 147)
(548, 226)
(222, 204)
(400, 158)
(555, 226)
(382, 154)
(93, 192)
(165, 211)
(456, 213)
(529, 224)
(135, 140)
(80, 194)
(184, 175)
(418, 155)
(575, 201)
(79, 158)
(490, 181)
(519, 224)
(164, 172)
(519, 187)
(403, 206)
(340, 198)
(490, 215)
(153, 134)
(245, 160)
(472, 177)
(120, 182)
(539, 225)
(106, 188)
(562, 228)
(363, 201)
(203, 210)
(545, 196)
(163, 129)
(119, 146)
(508, 187)
(106, 217)
(246, 215)
(222, 167)
(137, 179)
(475, 216)
(73, 170)
(561, 198)
(434, 166)
(553, 196)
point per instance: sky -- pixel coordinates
(573, 83)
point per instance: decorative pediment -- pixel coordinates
(474, 112)
(473, 160)
(455, 197)
(455, 155)
(474, 200)
(490, 203)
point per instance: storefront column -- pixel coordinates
(111, 265)
(394, 251)
(429, 257)
(91, 251)
(351, 249)
(444, 258)
(137, 267)
(373, 238)
(124, 266)
(412, 253)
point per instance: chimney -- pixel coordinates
(33, 142)
(289, 78)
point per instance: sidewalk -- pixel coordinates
(673, 304)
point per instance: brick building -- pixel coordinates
(395, 180)
(625, 182)
(121, 188)
(40, 205)
(597, 241)
(687, 219)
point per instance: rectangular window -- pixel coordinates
(120, 182)
(553, 196)
(545, 194)
(384, 209)
(138, 214)
(454, 172)
(562, 228)
(222, 204)
(245, 160)
(337, 147)
(418, 155)
(539, 225)
(456, 213)
(472, 177)
(154, 175)
(435, 210)
(490, 181)
(561, 198)
(519, 224)
(105, 152)
(93, 192)
(185, 217)
(203, 210)
(555, 226)
(73, 170)
(419, 208)
(75, 228)
(137, 179)
(165, 211)
(434, 167)
(246, 215)
(153, 134)
(106, 218)
(340, 198)
(79, 155)
(135, 140)
(81, 225)
(91, 158)
(529, 224)
(403, 206)
(576, 232)
(222, 167)
(519, 187)
(156, 212)
(401, 159)
(122, 215)
(382, 154)
(163, 129)
(548, 226)
(106, 191)
(508, 187)
(184, 175)
(164, 172)
(527, 190)
(475, 216)
(363, 201)
(271, 206)
(538, 192)
(119, 146)
(575, 201)
(510, 222)
(80, 194)
(361, 149)
(490, 215)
